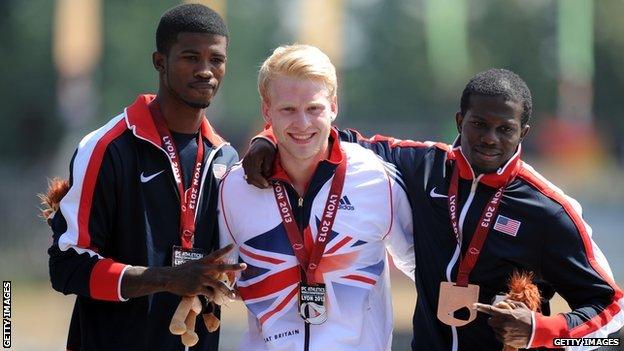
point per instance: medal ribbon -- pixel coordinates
(189, 197)
(471, 256)
(295, 236)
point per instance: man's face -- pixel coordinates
(300, 112)
(193, 68)
(490, 131)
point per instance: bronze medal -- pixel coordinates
(453, 298)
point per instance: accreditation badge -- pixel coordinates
(453, 298)
(180, 255)
(312, 303)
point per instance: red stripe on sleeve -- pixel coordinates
(90, 179)
(596, 322)
(547, 328)
(104, 280)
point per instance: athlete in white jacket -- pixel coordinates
(315, 242)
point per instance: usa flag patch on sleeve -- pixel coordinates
(507, 225)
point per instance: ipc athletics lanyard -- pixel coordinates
(188, 197)
(295, 236)
(471, 256)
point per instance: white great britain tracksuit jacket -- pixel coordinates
(374, 215)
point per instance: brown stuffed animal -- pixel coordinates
(183, 321)
(184, 318)
(521, 289)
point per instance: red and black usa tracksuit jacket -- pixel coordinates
(123, 209)
(552, 240)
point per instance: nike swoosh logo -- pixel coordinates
(434, 194)
(145, 179)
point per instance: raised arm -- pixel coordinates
(403, 154)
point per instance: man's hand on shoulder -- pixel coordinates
(258, 162)
(191, 278)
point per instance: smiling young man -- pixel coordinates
(480, 213)
(144, 189)
(315, 241)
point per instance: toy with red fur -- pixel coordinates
(57, 189)
(521, 289)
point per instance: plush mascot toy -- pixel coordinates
(521, 289)
(184, 317)
(183, 321)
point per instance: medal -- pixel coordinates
(312, 303)
(311, 293)
(181, 255)
(455, 296)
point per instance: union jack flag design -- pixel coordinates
(269, 285)
(507, 225)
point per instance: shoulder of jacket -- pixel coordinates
(558, 201)
(357, 153)
(234, 178)
(228, 151)
(112, 131)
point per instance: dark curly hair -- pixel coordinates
(193, 18)
(499, 82)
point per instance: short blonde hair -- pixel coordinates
(298, 61)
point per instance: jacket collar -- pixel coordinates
(140, 121)
(334, 159)
(502, 176)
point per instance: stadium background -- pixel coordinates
(69, 65)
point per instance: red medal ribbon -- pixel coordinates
(189, 197)
(295, 236)
(471, 256)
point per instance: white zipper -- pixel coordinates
(449, 267)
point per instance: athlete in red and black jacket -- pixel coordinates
(536, 228)
(140, 185)
(123, 210)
